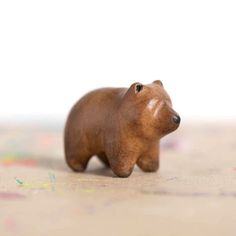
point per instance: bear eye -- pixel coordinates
(138, 87)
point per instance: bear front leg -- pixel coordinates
(123, 164)
(149, 161)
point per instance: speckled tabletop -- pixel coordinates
(193, 193)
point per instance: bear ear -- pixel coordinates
(136, 87)
(158, 82)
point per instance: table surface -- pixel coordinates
(194, 191)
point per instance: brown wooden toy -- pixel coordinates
(121, 126)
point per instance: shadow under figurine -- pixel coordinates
(122, 126)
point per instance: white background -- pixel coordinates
(52, 52)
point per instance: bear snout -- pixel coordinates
(176, 119)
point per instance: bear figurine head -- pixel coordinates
(148, 108)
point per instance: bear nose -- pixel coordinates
(176, 119)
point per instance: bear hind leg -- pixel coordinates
(77, 158)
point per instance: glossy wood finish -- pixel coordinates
(122, 126)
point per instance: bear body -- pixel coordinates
(121, 126)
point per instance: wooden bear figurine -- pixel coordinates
(121, 126)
